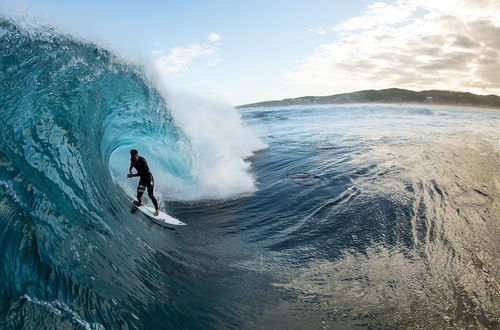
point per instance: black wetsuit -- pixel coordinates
(146, 181)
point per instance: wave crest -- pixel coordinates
(73, 109)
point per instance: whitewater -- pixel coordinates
(345, 216)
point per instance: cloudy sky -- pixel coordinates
(249, 51)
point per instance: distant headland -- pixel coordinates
(390, 95)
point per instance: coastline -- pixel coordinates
(390, 96)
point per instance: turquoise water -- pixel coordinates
(361, 216)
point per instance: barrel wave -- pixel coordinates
(71, 110)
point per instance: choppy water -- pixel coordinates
(364, 216)
(388, 216)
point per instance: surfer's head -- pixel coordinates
(134, 154)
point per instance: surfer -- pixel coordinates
(146, 179)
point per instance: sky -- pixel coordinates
(251, 51)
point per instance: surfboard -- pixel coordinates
(163, 219)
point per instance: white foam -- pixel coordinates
(62, 310)
(220, 144)
(211, 164)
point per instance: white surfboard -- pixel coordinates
(162, 219)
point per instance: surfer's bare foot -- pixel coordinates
(157, 213)
(137, 203)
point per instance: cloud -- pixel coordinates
(420, 44)
(180, 58)
(317, 30)
(213, 37)
(378, 13)
(214, 62)
(157, 52)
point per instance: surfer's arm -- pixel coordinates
(130, 175)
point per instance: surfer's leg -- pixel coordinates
(150, 186)
(140, 190)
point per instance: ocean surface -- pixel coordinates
(325, 217)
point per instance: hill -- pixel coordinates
(391, 95)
